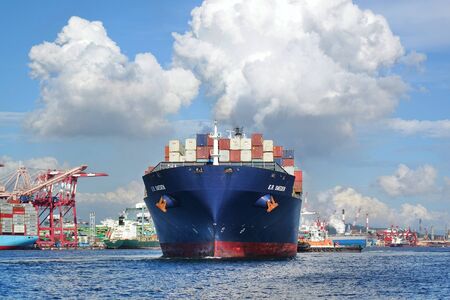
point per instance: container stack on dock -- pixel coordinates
(237, 149)
(18, 219)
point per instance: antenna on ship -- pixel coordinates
(215, 138)
(367, 222)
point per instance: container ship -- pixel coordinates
(133, 230)
(18, 225)
(235, 197)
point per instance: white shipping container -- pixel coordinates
(246, 144)
(190, 155)
(224, 155)
(174, 157)
(191, 144)
(235, 143)
(6, 210)
(6, 228)
(175, 146)
(268, 156)
(246, 155)
(268, 146)
(19, 228)
(182, 158)
(289, 170)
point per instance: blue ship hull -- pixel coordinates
(350, 240)
(10, 242)
(221, 211)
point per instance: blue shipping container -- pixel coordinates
(278, 161)
(202, 139)
(288, 153)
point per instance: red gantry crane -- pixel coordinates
(53, 196)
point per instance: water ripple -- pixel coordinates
(145, 275)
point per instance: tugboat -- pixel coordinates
(313, 237)
(399, 242)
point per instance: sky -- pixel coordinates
(358, 88)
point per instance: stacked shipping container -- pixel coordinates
(176, 151)
(298, 182)
(18, 219)
(235, 149)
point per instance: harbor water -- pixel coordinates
(143, 274)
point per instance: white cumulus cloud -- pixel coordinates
(414, 59)
(130, 194)
(88, 87)
(434, 129)
(38, 163)
(110, 204)
(406, 181)
(331, 202)
(312, 65)
(334, 200)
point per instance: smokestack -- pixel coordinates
(420, 226)
(367, 223)
(446, 232)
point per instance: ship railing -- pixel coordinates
(263, 165)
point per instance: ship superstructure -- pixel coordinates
(133, 230)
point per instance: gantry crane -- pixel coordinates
(53, 195)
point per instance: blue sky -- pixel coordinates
(353, 167)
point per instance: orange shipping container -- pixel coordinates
(18, 210)
(235, 155)
(288, 162)
(277, 151)
(257, 152)
(202, 152)
(166, 151)
(210, 141)
(224, 144)
(257, 139)
(298, 186)
(298, 175)
(166, 158)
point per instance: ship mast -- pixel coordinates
(215, 153)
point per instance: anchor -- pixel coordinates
(161, 204)
(271, 205)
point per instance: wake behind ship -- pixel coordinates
(231, 198)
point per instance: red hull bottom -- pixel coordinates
(7, 247)
(230, 250)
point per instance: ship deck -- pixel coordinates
(262, 165)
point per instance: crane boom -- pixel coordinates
(55, 179)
